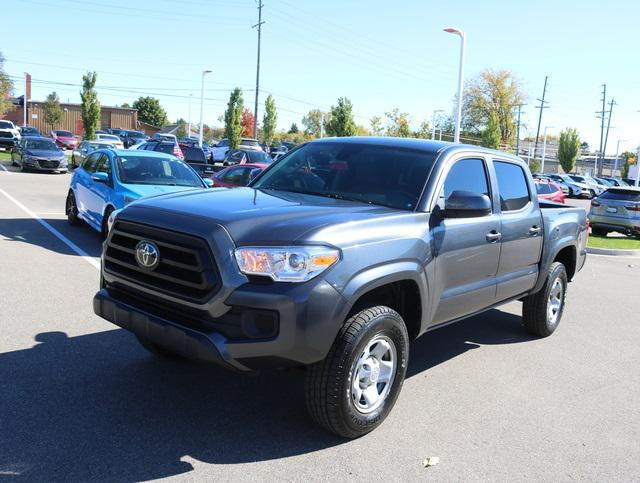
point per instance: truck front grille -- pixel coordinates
(186, 269)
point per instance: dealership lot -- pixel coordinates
(80, 399)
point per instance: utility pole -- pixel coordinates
(518, 130)
(189, 133)
(255, 109)
(541, 107)
(606, 136)
(602, 117)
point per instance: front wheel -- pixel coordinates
(71, 209)
(598, 231)
(351, 391)
(542, 311)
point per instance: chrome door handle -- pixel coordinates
(534, 230)
(493, 236)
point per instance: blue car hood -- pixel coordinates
(143, 190)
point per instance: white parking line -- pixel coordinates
(89, 259)
(4, 169)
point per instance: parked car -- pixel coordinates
(629, 181)
(235, 176)
(195, 143)
(548, 190)
(335, 258)
(138, 144)
(101, 131)
(220, 150)
(111, 138)
(242, 156)
(594, 187)
(9, 134)
(163, 146)
(109, 179)
(117, 132)
(278, 153)
(29, 131)
(577, 189)
(617, 209)
(615, 181)
(64, 139)
(129, 138)
(87, 147)
(38, 153)
(165, 137)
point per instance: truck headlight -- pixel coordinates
(286, 264)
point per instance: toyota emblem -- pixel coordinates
(147, 254)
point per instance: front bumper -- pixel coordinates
(8, 142)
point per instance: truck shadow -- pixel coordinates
(98, 406)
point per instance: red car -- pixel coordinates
(64, 139)
(549, 191)
(238, 175)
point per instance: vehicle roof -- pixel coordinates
(150, 154)
(425, 145)
(37, 137)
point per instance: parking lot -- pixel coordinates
(81, 400)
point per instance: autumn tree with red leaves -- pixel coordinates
(247, 124)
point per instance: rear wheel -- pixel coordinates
(542, 311)
(71, 209)
(352, 391)
(596, 231)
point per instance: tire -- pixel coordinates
(596, 231)
(592, 194)
(23, 167)
(542, 311)
(335, 387)
(157, 350)
(105, 226)
(71, 209)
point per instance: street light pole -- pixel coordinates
(433, 123)
(615, 163)
(544, 148)
(204, 72)
(190, 95)
(463, 42)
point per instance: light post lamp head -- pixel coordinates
(454, 30)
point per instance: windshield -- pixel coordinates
(64, 134)
(259, 157)
(5, 125)
(110, 137)
(166, 171)
(43, 144)
(136, 134)
(621, 194)
(578, 179)
(379, 175)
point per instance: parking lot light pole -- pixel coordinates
(204, 72)
(189, 135)
(544, 148)
(433, 122)
(463, 42)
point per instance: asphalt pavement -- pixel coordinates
(80, 400)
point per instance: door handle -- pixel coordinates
(534, 230)
(493, 236)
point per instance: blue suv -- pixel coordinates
(109, 179)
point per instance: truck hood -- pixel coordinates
(253, 217)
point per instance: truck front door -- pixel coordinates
(467, 250)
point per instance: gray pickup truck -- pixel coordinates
(335, 258)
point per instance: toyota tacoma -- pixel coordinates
(334, 259)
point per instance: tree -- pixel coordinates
(312, 122)
(182, 129)
(584, 147)
(568, 149)
(6, 87)
(150, 111)
(424, 131)
(492, 91)
(269, 120)
(628, 159)
(398, 123)
(53, 114)
(247, 123)
(491, 134)
(233, 118)
(376, 126)
(293, 129)
(90, 105)
(341, 121)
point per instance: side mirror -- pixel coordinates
(100, 177)
(466, 204)
(208, 182)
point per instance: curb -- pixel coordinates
(615, 253)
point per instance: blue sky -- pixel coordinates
(380, 54)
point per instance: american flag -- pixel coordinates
(177, 152)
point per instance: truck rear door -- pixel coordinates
(522, 230)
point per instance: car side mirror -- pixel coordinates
(466, 204)
(100, 177)
(208, 182)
